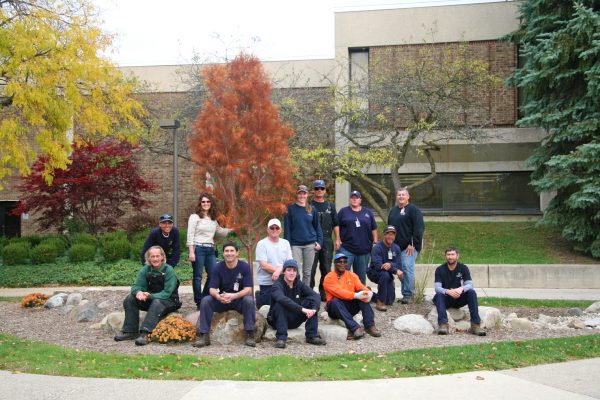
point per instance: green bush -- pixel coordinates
(84, 238)
(58, 242)
(82, 252)
(136, 248)
(3, 241)
(16, 253)
(109, 237)
(44, 253)
(116, 249)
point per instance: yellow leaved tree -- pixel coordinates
(56, 88)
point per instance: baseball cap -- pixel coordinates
(389, 228)
(338, 256)
(355, 193)
(165, 217)
(319, 183)
(291, 263)
(274, 221)
(302, 188)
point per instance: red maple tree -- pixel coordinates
(100, 182)
(241, 148)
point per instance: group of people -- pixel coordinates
(287, 267)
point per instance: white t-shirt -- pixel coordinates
(275, 253)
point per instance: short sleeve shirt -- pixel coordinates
(231, 280)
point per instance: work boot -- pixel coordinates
(126, 336)
(373, 331)
(316, 340)
(407, 300)
(202, 340)
(250, 342)
(280, 344)
(356, 334)
(443, 329)
(142, 340)
(380, 305)
(476, 330)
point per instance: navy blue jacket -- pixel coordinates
(171, 245)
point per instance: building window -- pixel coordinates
(471, 193)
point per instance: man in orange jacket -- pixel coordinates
(346, 296)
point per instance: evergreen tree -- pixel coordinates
(560, 42)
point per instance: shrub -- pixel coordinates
(172, 329)
(44, 253)
(139, 222)
(117, 235)
(3, 241)
(136, 246)
(58, 242)
(116, 249)
(82, 252)
(16, 253)
(84, 238)
(34, 300)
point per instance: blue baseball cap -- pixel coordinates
(291, 263)
(339, 255)
(355, 193)
(165, 217)
(319, 183)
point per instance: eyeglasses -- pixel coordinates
(274, 228)
(206, 201)
(319, 188)
(341, 261)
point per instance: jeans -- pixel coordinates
(357, 263)
(408, 269)
(304, 256)
(205, 257)
(443, 301)
(156, 309)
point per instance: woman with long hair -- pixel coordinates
(201, 231)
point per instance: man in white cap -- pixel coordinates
(271, 252)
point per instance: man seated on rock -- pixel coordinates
(346, 296)
(156, 291)
(271, 252)
(454, 289)
(230, 289)
(385, 265)
(292, 303)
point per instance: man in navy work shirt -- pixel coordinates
(385, 266)
(165, 236)
(454, 288)
(230, 289)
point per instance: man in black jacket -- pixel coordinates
(292, 303)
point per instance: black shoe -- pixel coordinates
(250, 342)
(316, 340)
(126, 336)
(142, 340)
(443, 329)
(280, 344)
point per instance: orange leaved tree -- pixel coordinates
(241, 148)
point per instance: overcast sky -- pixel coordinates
(153, 32)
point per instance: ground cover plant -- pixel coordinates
(19, 355)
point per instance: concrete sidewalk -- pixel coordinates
(564, 381)
(521, 293)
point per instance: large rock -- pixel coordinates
(573, 312)
(576, 323)
(85, 312)
(458, 314)
(228, 327)
(264, 310)
(594, 322)
(58, 300)
(414, 324)
(297, 335)
(74, 299)
(491, 318)
(463, 325)
(64, 310)
(432, 317)
(520, 324)
(333, 333)
(594, 308)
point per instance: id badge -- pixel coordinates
(357, 223)
(390, 255)
(236, 286)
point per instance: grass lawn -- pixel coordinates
(34, 357)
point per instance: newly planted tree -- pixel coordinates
(99, 184)
(240, 147)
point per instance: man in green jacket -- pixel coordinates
(156, 291)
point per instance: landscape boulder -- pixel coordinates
(57, 300)
(413, 324)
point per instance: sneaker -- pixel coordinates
(126, 336)
(250, 342)
(142, 340)
(356, 334)
(443, 329)
(316, 340)
(373, 331)
(202, 340)
(380, 305)
(476, 330)
(280, 344)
